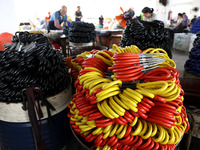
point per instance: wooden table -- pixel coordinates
(63, 41)
(191, 87)
(103, 36)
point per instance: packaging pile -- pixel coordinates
(147, 35)
(82, 32)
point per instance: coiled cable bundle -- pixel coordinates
(30, 60)
(195, 26)
(119, 111)
(192, 65)
(147, 34)
(82, 32)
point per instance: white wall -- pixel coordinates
(89, 8)
(196, 3)
(15, 11)
(8, 17)
(177, 6)
(180, 6)
(161, 11)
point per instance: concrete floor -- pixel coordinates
(180, 58)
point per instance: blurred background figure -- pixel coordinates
(101, 21)
(57, 18)
(148, 14)
(193, 19)
(171, 23)
(78, 14)
(185, 20)
(179, 25)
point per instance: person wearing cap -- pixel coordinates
(148, 14)
(57, 18)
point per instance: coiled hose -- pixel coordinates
(142, 113)
(195, 26)
(82, 32)
(29, 61)
(192, 65)
(147, 34)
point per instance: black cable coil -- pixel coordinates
(192, 65)
(30, 60)
(82, 32)
(147, 35)
(164, 2)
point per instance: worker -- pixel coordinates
(185, 20)
(148, 14)
(101, 21)
(78, 14)
(193, 19)
(179, 26)
(57, 18)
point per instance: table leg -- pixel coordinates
(68, 48)
(63, 46)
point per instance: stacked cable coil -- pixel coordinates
(192, 65)
(195, 28)
(30, 60)
(127, 99)
(147, 34)
(82, 32)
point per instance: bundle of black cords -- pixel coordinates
(147, 35)
(82, 32)
(30, 60)
(192, 65)
(164, 2)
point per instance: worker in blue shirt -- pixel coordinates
(57, 18)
